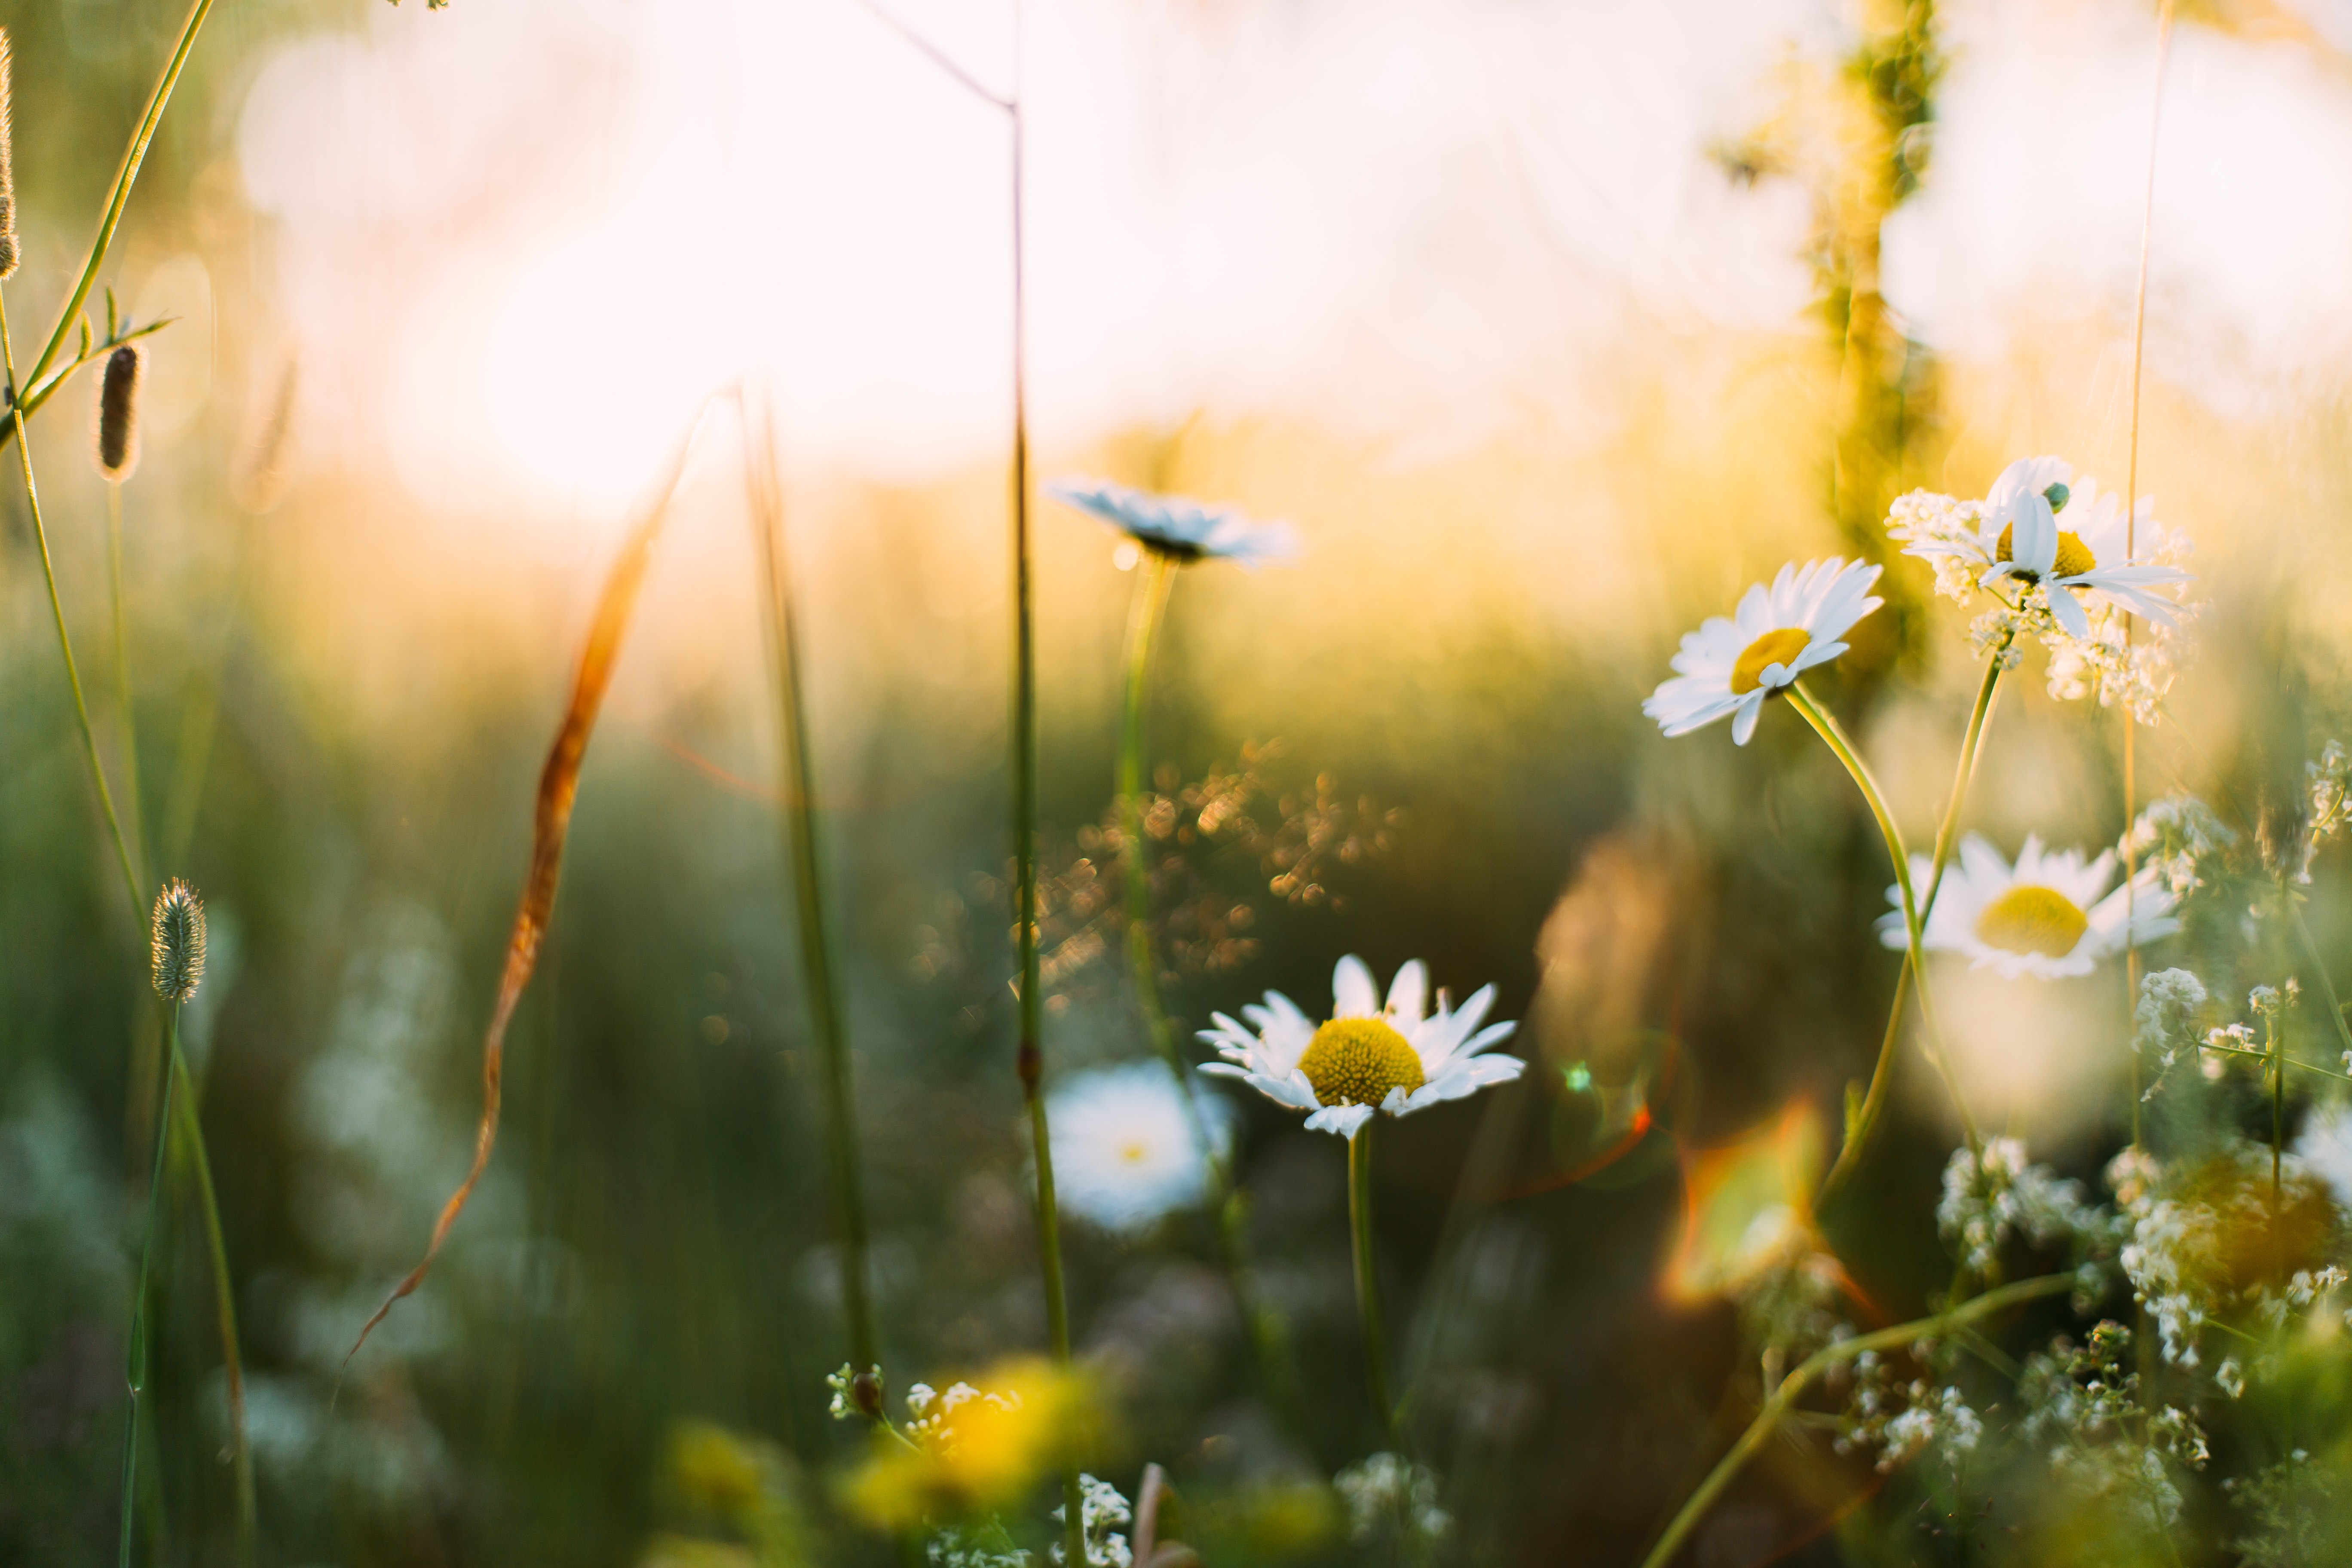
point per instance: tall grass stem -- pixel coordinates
(135, 1371)
(1825, 725)
(189, 1126)
(797, 816)
(127, 715)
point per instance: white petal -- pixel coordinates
(1409, 992)
(2069, 611)
(1354, 993)
(1751, 710)
(1341, 1119)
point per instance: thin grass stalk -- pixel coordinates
(125, 177)
(187, 1125)
(1865, 1119)
(1030, 1061)
(559, 787)
(126, 716)
(1368, 1284)
(1825, 725)
(1777, 1406)
(130, 882)
(1227, 1212)
(135, 1371)
(796, 816)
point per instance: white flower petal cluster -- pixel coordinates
(1903, 1421)
(1125, 1154)
(1387, 1488)
(2067, 563)
(1447, 1047)
(2180, 837)
(1989, 1197)
(1729, 666)
(2324, 1146)
(1101, 1512)
(2164, 1023)
(1180, 527)
(2043, 916)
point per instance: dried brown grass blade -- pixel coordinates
(559, 783)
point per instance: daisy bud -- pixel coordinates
(178, 934)
(8, 172)
(118, 413)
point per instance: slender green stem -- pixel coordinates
(1777, 1405)
(32, 401)
(130, 883)
(1155, 581)
(1367, 1285)
(2264, 1056)
(136, 1371)
(188, 1123)
(124, 178)
(798, 818)
(2319, 970)
(2276, 1054)
(1865, 1120)
(127, 716)
(1826, 725)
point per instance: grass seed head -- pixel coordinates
(7, 172)
(178, 937)
(118, 413)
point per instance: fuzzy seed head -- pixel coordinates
(178, 936)
(118, 413)
(7, 172)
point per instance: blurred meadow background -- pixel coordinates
(1550, 326)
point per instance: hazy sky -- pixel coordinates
(519, 240)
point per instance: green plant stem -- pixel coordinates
(135, 1372)
(188, 1123)
(1826, 726)
(798, 814)
(1865, 1120)
(130, 883)
(2319, 970)
(2265, 1055)
(125, 177)
(1777, 1405)
(127, 715)
(1367, 1285)
(1155, 581)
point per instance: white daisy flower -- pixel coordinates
(1367, 1057)
(1730, 667)
(2043, 916)
(2021, 530)
(1123, 1149)
(1180, 527)
(2325, 1147)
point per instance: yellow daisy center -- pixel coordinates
(2028, 919)
(1355, 1061)
(2074, 557)
(1773, 648)
(1134, 1151)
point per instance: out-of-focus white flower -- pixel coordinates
(2178, 835)
(1387, 1488)
(1124, 1151)
(1368, 1056)
(2325, 1145)
(2043, 917)
(1180, 527)
(1101, 1512)
(1729, 666)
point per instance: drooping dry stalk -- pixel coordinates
(559, 783)
(8, 252)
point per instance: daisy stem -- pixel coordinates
(1826, 726)
(1782, 1398)
(1156, 580)
(1866, 1119)
(1368, 1288)
(799, 821)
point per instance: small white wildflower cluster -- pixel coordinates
(2165, 1021)
(2085, 1407)
(2067, 566)
(844, 1384)
(1387, 1489)
(1903, 1421)
(2330, 779)
(1793, 1305)
(2155, 1256)
(2182, 840)
(1102, 1510)
(981, 1545)
(933, 1412)
(1991, 1198)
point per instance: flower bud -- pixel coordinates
(2057, 495)
(118, 413)
(177, 935)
